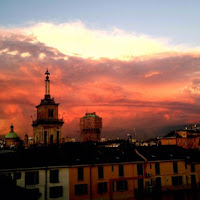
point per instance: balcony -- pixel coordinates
(47, 121)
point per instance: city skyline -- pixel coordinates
(134, 64)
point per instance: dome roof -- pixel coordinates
(11, 134)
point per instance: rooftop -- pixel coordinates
(71, 154)
(11, 134)
(47, 101)
(88, 115)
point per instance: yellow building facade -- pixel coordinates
(127, 180)
(144, 173)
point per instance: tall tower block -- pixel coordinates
(90, 126)
(47, 128)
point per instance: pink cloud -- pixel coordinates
(152, 74)
(117, 90)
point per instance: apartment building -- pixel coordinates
(103, 173)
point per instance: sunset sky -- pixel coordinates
(135, 63)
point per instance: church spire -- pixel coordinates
(47, 85)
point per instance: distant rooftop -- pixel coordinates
(11, 134)
(88, 115)
(72, 154)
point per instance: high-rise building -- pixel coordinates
(47, 128)
(90, 126)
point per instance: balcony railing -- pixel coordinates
(47, 121)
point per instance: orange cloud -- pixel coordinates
(146, 94)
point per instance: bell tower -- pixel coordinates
(47, 128)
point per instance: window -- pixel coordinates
(50, 113)
(34, 193)
(17, 175)
(112, 168)
(81, 189)
(102, 188)
(158, 183)
(57, 137)
(34, 190)
(113, 186)
(121, 170)
(139, 169)
(175, 167)
(45, 137)
(192, 168)
(157, 168)
(32, 178)
(80, 174)
(148, 183)
(185, 165)
(140, 185)
(100, 172)
(54, 176)
(187, 178)
(193, 181)
(51, 139)
(177, 180)
(122, 186)
(55, 192)
(150, 166)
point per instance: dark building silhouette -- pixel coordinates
(47, 128)
(90, 126)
